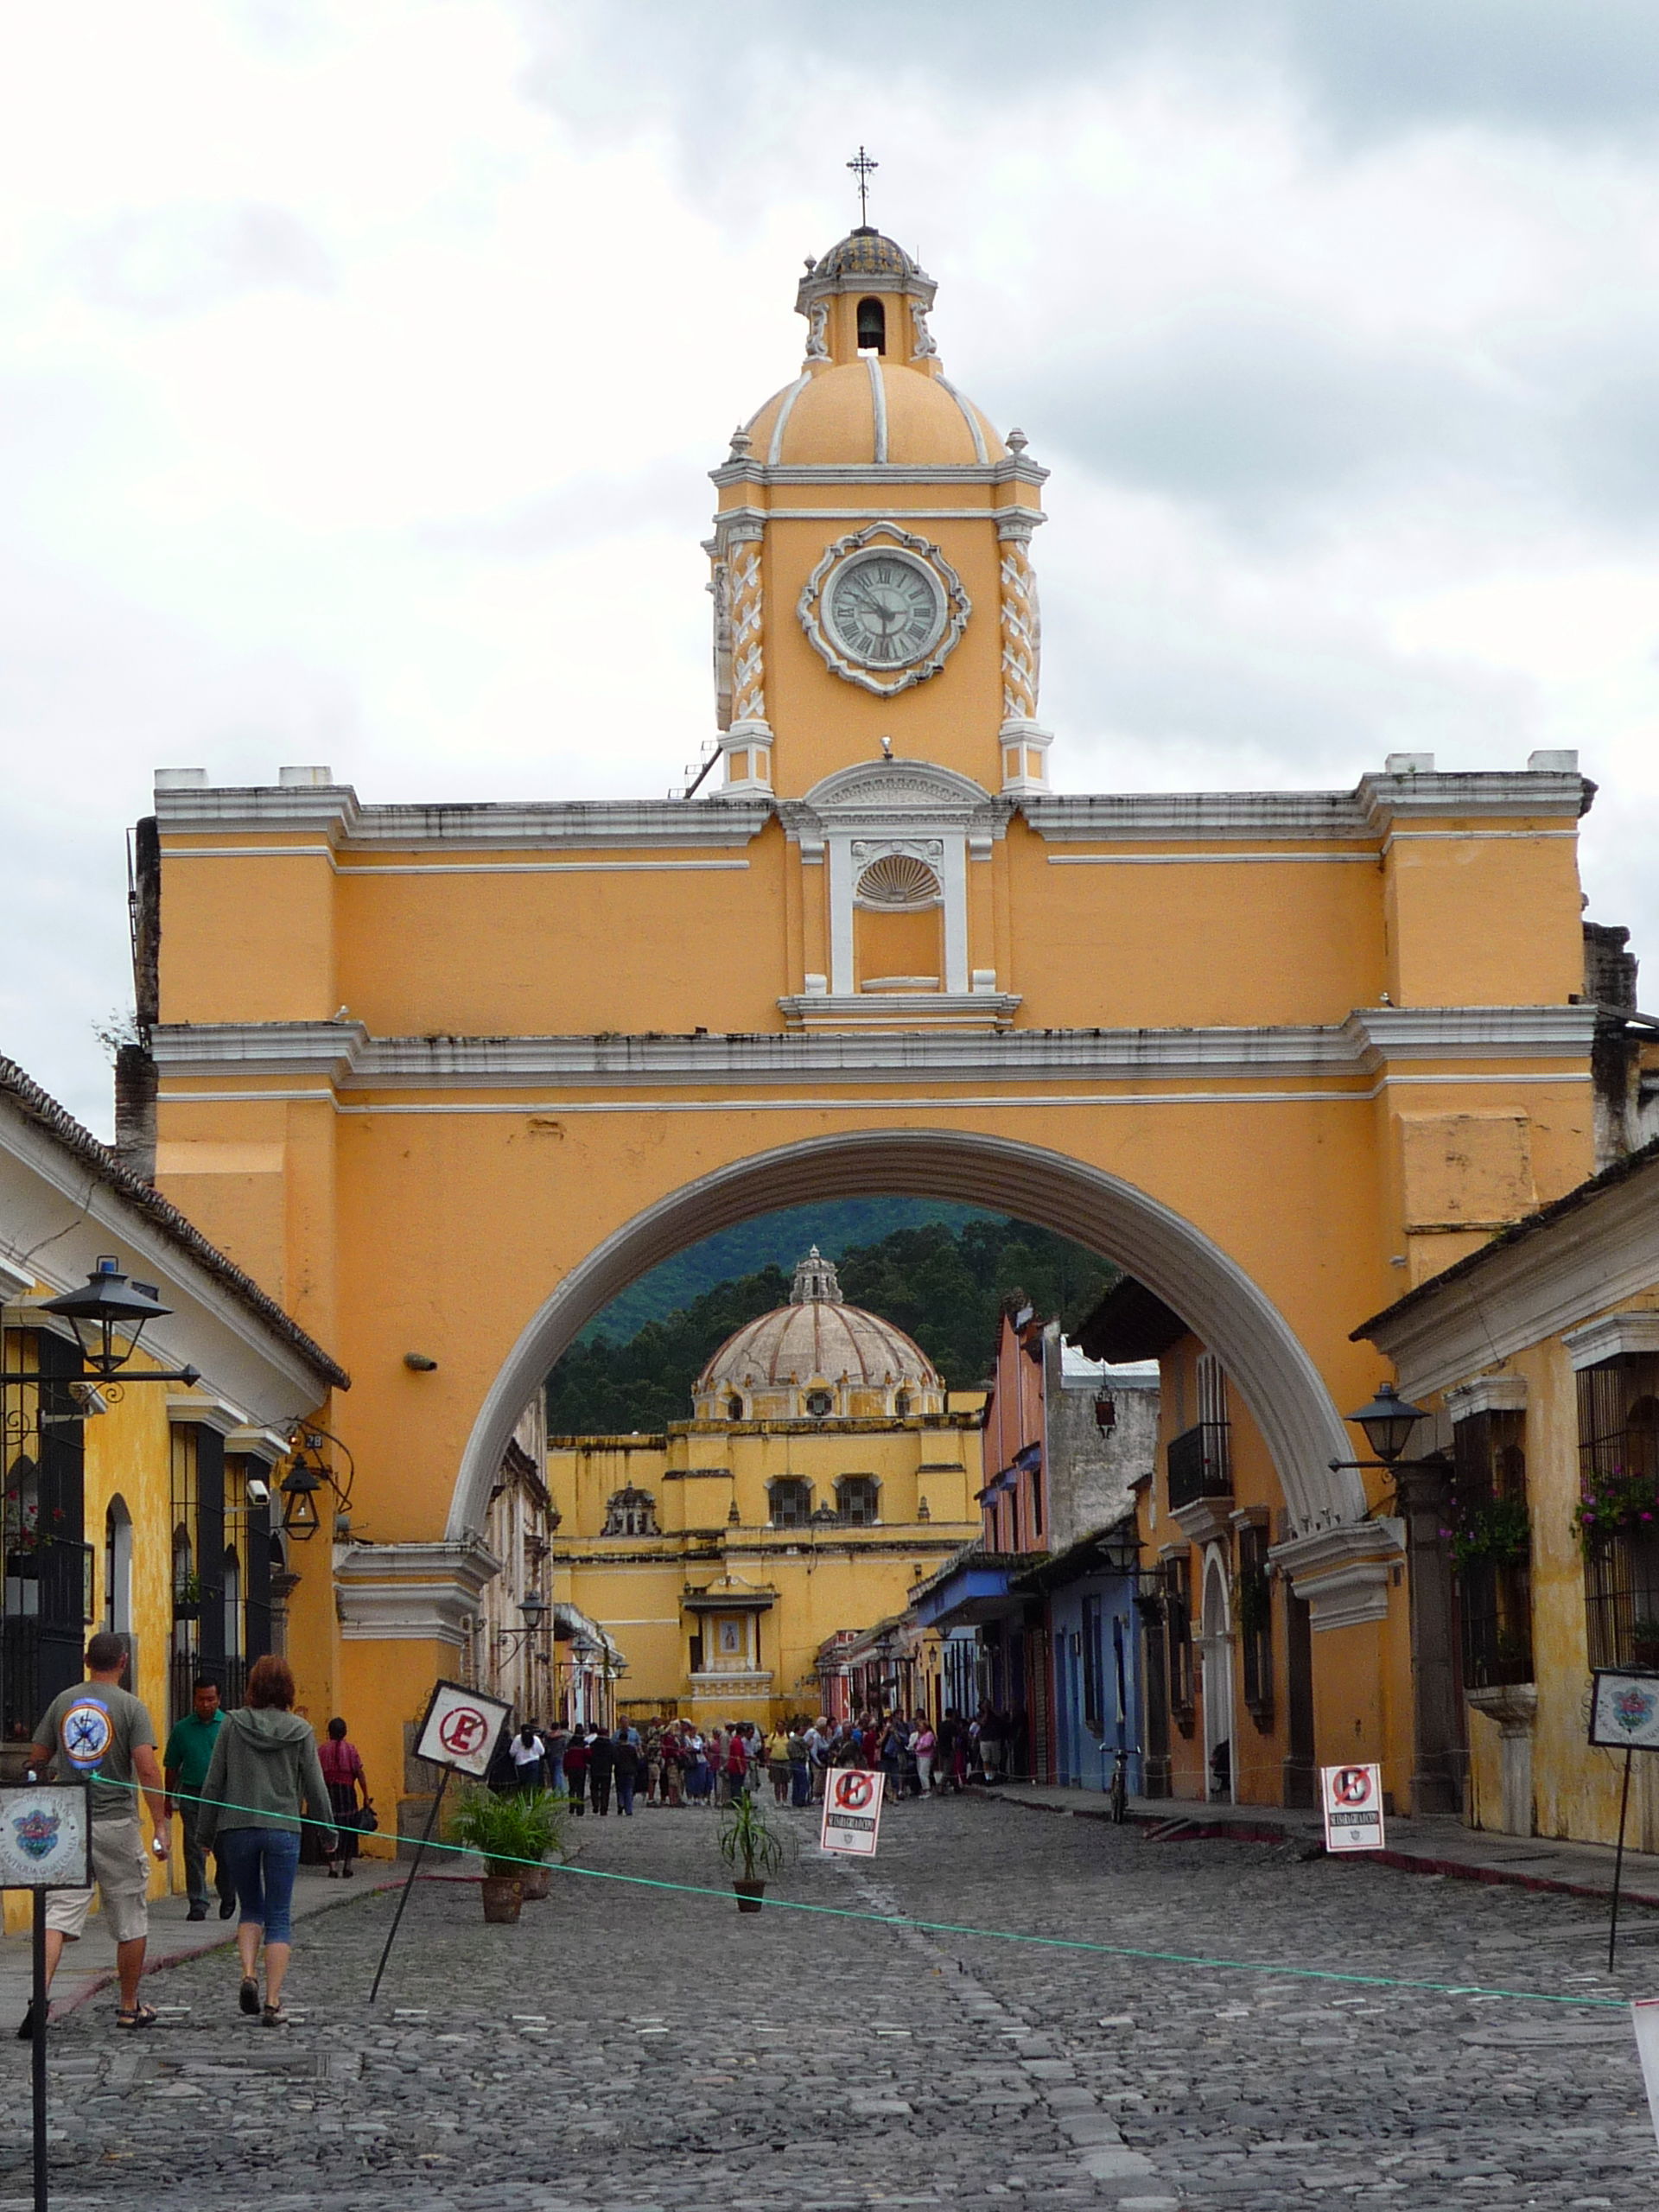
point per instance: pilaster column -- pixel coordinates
(748, 744)
(1024, 743)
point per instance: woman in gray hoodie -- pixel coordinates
(264, 1765)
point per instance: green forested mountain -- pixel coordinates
(943, 1284)
(774, 1240)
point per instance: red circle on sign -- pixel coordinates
(1353, 1786)
(854, 1790)
(462, 1731)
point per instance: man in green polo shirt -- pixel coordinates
(184, 1761)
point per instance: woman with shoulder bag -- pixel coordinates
(342, 1770)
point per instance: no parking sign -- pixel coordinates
(1353, 1796)
(851, 1811)
(461, 1729)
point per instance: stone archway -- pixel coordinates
(1260, 1353)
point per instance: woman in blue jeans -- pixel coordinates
(264, 1767)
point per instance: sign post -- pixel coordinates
(1352, 1799)
(46, 1843)
(458, 1734)
(851, 1811)
(1624, 1716)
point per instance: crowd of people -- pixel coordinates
(673, 1761)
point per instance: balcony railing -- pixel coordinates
(1199, 1464)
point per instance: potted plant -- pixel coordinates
(1645, 1641)
(186, 1598)
(510, 1835)
(749, 1842)
(547, 1812)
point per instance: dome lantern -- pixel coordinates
(867, 296)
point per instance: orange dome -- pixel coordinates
(867, 412)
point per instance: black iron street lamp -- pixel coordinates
(300, 1487)
(1388, 1422)
(108, 1317)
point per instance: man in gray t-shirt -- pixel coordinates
(99, 1734)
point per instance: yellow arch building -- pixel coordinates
(444, 1078)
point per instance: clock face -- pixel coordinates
(886, 611)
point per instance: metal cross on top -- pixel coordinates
(863, 168)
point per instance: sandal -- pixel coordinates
(141, 2016)
(274, 2017)
(248, 1997)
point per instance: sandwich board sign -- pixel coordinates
(1352, 1798)
(462, 1729)
(851, 1811)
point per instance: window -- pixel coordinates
(1094, 1696)
(900, 1404)
(117, 1567)
(1492, 1548)
(791, 1502)
(630, 1512)
(233, 1615)
(1178, 1631)
(872, 327)
(1618, 1507)
(820, 1404)
(734, 1408)
(856, 1497)
(1255, 1622)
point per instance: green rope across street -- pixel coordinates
(1003, 1935)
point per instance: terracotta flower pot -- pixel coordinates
(504, 1894)
(537, 1882)
(749, 1895)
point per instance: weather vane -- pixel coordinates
(862, 167)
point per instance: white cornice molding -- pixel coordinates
(1544, 1285)
(345, 1055)
(1015, 468)
(1615, 1335)
(1487, 1394)
(413, 1592)
(1368, 811)
(269, 1445)
(1343, 1572)
(217, 1413)
(573, 825)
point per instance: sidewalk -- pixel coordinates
(89, 1966)
(1431, 1846)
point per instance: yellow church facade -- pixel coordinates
(445, 1078)
(825, 1469)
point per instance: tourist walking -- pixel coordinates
(264, 1771)
(737, 1765)
(625, 1765)
(98, 1733)
(672, 1752)
(529, 1764)
(555, 1741)
(601, 1765)
(184, 1766)
(342, 1770)
(575, 1770)
(699, 1775)
(818, 1739)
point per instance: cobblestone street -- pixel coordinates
(630, 2047)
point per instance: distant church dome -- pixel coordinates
(818, 1358)
(871, 390)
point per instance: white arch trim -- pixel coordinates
(1262, 1356)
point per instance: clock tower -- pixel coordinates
(872, 584)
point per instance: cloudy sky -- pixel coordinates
(360, 362)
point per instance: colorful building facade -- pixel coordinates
(824, 1467)
(443, 1079)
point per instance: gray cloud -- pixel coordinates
(179, 261)
(673, 496)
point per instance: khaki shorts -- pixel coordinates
(121, 1871)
